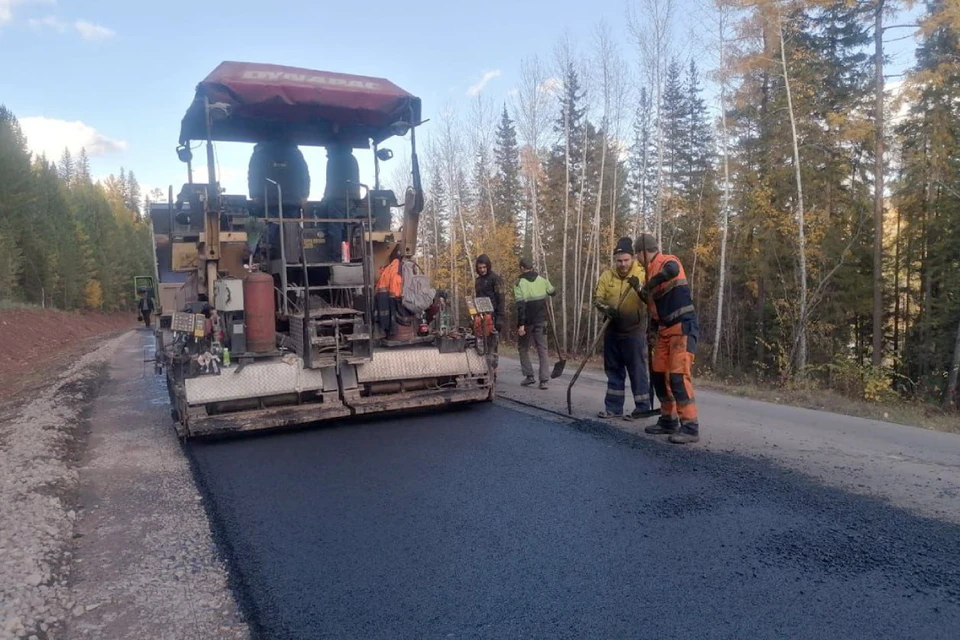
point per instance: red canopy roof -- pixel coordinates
(252, 102)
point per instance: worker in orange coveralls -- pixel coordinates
(672, 315)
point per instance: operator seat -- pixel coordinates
(341, 192)
(282, 162)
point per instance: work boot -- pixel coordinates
(689, 433)
(609, 414)
(529, 380)
(665, 425)
(543, 384)
(637, 413)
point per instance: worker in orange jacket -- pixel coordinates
(673, 317)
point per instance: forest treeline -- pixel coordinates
(816, 210)
(67, 242)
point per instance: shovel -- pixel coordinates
(651, 412)
(576, 375)
(562, 362)
(593, 347)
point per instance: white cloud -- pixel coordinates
(50, 136)
(6, 8)
(899, 100)
(50, 22)
(92, 31)
(551, 85)
(89, 31)
(487, 77)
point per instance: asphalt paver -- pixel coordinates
(487, 522)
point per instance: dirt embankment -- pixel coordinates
(33, 342)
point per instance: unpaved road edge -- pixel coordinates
(60, 458)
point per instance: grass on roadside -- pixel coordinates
(11, 305)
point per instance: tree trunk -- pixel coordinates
(801, 238)
(578, 272)
(566, 223)
(725, 206)
(761, 324)
(453, 273)
(950, 397)
(878, 192)
(466, 248)
(908, 281)
(896, 290)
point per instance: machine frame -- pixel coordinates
(330, 361)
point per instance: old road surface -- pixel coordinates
(499, 521)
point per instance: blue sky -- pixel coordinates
(118, 75)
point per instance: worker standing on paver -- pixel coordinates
(667, 294)
(624, 341)
(531, 293)
(490, 285)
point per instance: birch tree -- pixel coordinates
(801, 329)
(723, 25)
(533, 115)
(651, 32)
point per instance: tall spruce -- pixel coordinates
(507, 192)
(928, 196)
(643, 165)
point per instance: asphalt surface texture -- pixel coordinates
(488, 522)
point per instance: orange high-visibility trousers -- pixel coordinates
(673, 356)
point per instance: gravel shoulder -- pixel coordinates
(102, 532)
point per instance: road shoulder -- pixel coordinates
(144, 562)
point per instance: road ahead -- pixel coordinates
(492, 523)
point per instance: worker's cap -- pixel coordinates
(646, 242)
(526, 263)
(624, 245)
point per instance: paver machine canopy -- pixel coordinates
(251, 102)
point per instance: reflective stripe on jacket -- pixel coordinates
(531, 293)
(671, 301)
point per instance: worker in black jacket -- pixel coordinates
(490, 285)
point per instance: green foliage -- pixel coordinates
(64, 241)
(860, 381)
(507, 193)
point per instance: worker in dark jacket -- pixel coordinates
(624, 341)
(145, 307)
(670, 302)
(490, 285)
(531, 293)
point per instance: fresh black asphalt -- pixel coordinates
(487, 522)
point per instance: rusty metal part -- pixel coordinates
(258, 309)
(273, 418)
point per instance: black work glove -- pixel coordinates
(612, 313)
(634, 282)
(644, 293)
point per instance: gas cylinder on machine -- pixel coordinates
(258, 311)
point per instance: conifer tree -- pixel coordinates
(507, 195)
